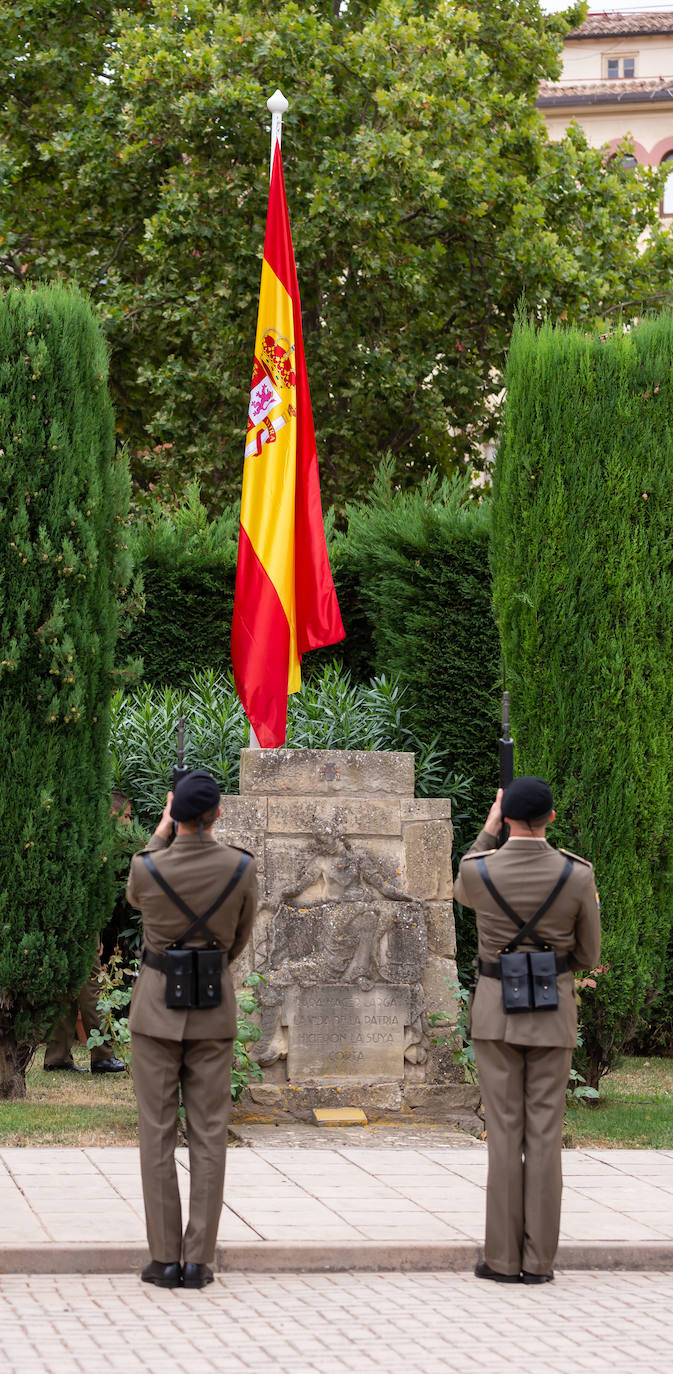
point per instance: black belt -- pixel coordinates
(493, 970)
(158, 961)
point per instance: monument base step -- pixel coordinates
(394, 1101)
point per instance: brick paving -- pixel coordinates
(296, 1324)
(78, 1209)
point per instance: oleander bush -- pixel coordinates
(330, 712)
(63, 502)
(582, 555)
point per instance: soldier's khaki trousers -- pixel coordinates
(203, 1069)
(64, 1034)
(523, 1091)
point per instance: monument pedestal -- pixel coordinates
(355, 934)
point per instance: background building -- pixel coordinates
(617, 82)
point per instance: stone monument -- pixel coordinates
(355, 935)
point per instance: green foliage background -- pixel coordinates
(330, 712)
(412, 577)
(188, 567)
(583, 576)
(421, 560)
(413, 582)
(423, 191)
(63, 500)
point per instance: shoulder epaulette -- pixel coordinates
(478, 854)
(576, 857)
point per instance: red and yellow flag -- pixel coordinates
(284, 602)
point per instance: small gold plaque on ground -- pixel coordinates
(339, 1116)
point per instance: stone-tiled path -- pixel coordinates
(333, 1323)
(341, 1208)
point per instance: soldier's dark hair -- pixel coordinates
(206, 820)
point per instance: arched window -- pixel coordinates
(624, 159)
(667, 197)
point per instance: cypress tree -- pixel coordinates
(582, 553)
(63, 499)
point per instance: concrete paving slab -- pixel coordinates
(343, 1208)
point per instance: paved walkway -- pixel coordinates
(340, 1208)
(333, 1323)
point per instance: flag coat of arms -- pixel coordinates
(284, 601)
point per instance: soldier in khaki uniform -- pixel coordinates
(175, 1047)
(524, 1058)
(58, 1052)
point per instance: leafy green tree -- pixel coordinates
(423, 192)
(583, 576)
(63, 498)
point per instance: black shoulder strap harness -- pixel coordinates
(198, 923)
(526, 929)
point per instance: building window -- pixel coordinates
(667, 197)
(616, 68)
(625, 159)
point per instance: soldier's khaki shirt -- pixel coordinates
(198, 869)
(525, 871)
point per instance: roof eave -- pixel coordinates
(578, 37)
(584, 101)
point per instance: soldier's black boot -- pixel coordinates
(483, 1271)
(163, 1275)
(537, 1278)
(196, 1275)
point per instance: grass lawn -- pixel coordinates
(71, 1108)
(634, 1110)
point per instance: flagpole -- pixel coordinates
(277, 106)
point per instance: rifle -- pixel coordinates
(506, 745)
(505, 755)
(179, 769)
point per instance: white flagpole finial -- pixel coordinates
(277, 106)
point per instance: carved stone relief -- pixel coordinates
(355, 931)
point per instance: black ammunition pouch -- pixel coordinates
(209, 965)
(178, 966)
(528, 977)
(543, 966)
(517, 993)
(193, 976)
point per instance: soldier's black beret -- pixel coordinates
(195, 794)
(527, 799)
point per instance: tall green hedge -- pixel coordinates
(63, 498)
(187, 562)
(583, 574)
(188, 567)
(421, 559)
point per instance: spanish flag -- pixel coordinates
(284, 602)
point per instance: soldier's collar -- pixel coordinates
(529, 839)
(195, 838)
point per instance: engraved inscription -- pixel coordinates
(337, 1031)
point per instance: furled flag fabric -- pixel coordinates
(284, 602)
